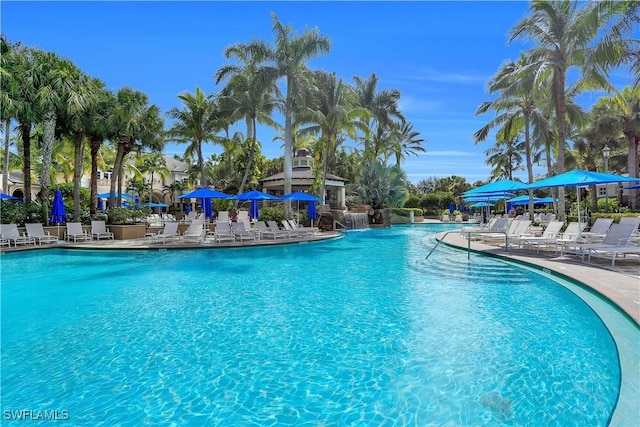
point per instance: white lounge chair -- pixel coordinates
(617, 237)
(548, 237)
(195, 232)
(75, 232)
(445, 218)
(266, 232)
(241, 233)
(170, 231)
(598, 230)
(10, 232)
(223, 232)
(273, 226)
(223, 216)
(307, 230)
(99, 230)
(190, 217)
(293, 231)
(36, 231)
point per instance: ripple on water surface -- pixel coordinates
(358, 331)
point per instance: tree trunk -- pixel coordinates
(115, 176)
(527, 149)
(560, 106)
(78, 166)
(25, 131)
(288, 151)
(48, 137)
(203, 180)
(5, 160)
(633, 169)
(251, 131)
(94, 145)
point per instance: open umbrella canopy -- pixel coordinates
(156, 205)
(254, 195)
(631, 187)
(577, 178)
(58, 214)
(481, 205)
(205, 193)
(487, 197)
(301, 196)
(106, 195)
(523, 200)
(7, 197)
(546, 200)
(502, 186)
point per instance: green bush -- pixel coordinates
(271, 214)
(412, 202)
(126, 215)
(405, 212)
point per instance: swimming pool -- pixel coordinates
(357, 331)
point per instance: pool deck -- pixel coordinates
(621, 284)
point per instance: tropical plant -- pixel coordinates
(290, 55)
(151, 164)
(196, 123)
(382, 186)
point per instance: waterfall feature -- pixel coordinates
(356, 220)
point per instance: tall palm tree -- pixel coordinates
(505, 156)
(58, 89)
(196, 123)
(250, 93)
(562, 32)
(290, 55)
(137, 125)
(333, 111)
(621, 113)
(8, 107)
(406, 141)
(151, 164)
(383, 106)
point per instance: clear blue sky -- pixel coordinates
(438, 54)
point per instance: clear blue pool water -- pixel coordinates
(357, 331)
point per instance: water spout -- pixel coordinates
(356, 220)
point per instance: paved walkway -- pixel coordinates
(621, 284)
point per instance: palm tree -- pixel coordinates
(196, 123)
(333, 111)
(137, 125)
(406, 141)
(562, 31)
(290, 56)
(153, 163)
(249, 93)
(504, 156)
(621, 113)
(383, 106)
(58, 88)
(8, 106)
(382, 186)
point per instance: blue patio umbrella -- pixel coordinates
(304, 197)
(523, 200)
(100, 205)
(7, 197)
(254, 211)
(580, 178)
(502, 186)
(58, 214)
(115, 195)
(187, 208)
(632, 187)
(205, 193)
(451, 208)
(254, 195)
(311, 210)
(545, 200)
(481, 205)
(207, 208)
(156, 205)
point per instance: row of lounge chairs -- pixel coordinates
(36, 235)
(603, 240)
(231, 231)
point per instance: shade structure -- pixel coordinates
(207, 208)
(502, 186)
(546, 200)
(523, 200)
(205, 193)
(580, 178)
(254, 211)
(7, 197)
(156, 205)
(58, 214)
(254, 195)
(106, 196)
(301, 196)
(481, 205)
(487, 197)
(311, 210)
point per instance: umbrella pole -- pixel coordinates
(578, 197)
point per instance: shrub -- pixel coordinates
(412, 202)
(126, 215)
(271, 214)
